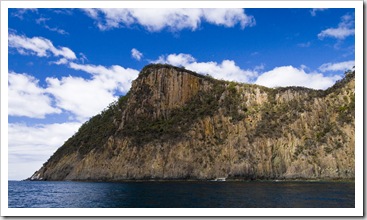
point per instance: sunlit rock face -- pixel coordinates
(176, 124)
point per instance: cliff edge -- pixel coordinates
(177, 124)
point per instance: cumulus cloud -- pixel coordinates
(114, 77)
(176, 59)
(314, 10)
(136, 54)
(291, 76)
(173, 19)
(227, 69)
(38, 46)
(83, 98)
(277, 77)
(345, 28)
(341, 66)
(74, 94)
(228, 17)
(27, 98)
(29, 149)
(78, 95)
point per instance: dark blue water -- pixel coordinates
(181, 194)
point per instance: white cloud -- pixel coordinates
(259, 67)
(60, 61)
(84, 98)
(227, 69)
(342, 66)
(83, 57)
(278, 77)
(176, 59)
(39, 46)
(63, 11)
(304, 67)
(20, 12)
(91, 12)
(307, 44)
(314, 10)
(114, 77)
(87, 97)
(42, 21)
(31, 146)
(26, 98)
(74, 94)
(228, 17)
(136, 54)
(173, 19)
(345, 28)
(291, 76)
(56, 29)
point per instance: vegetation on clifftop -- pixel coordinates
(94, 133)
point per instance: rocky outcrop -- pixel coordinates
(176, 124)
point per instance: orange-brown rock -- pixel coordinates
(176, 124)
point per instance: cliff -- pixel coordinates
(176, 124)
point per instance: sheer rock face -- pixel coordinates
(162, 90)
(176, 124)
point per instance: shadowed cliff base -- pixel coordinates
(175, 124)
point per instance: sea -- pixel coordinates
(185, 194)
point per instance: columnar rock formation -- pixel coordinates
(176, 124)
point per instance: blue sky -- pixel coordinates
(66, 65)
